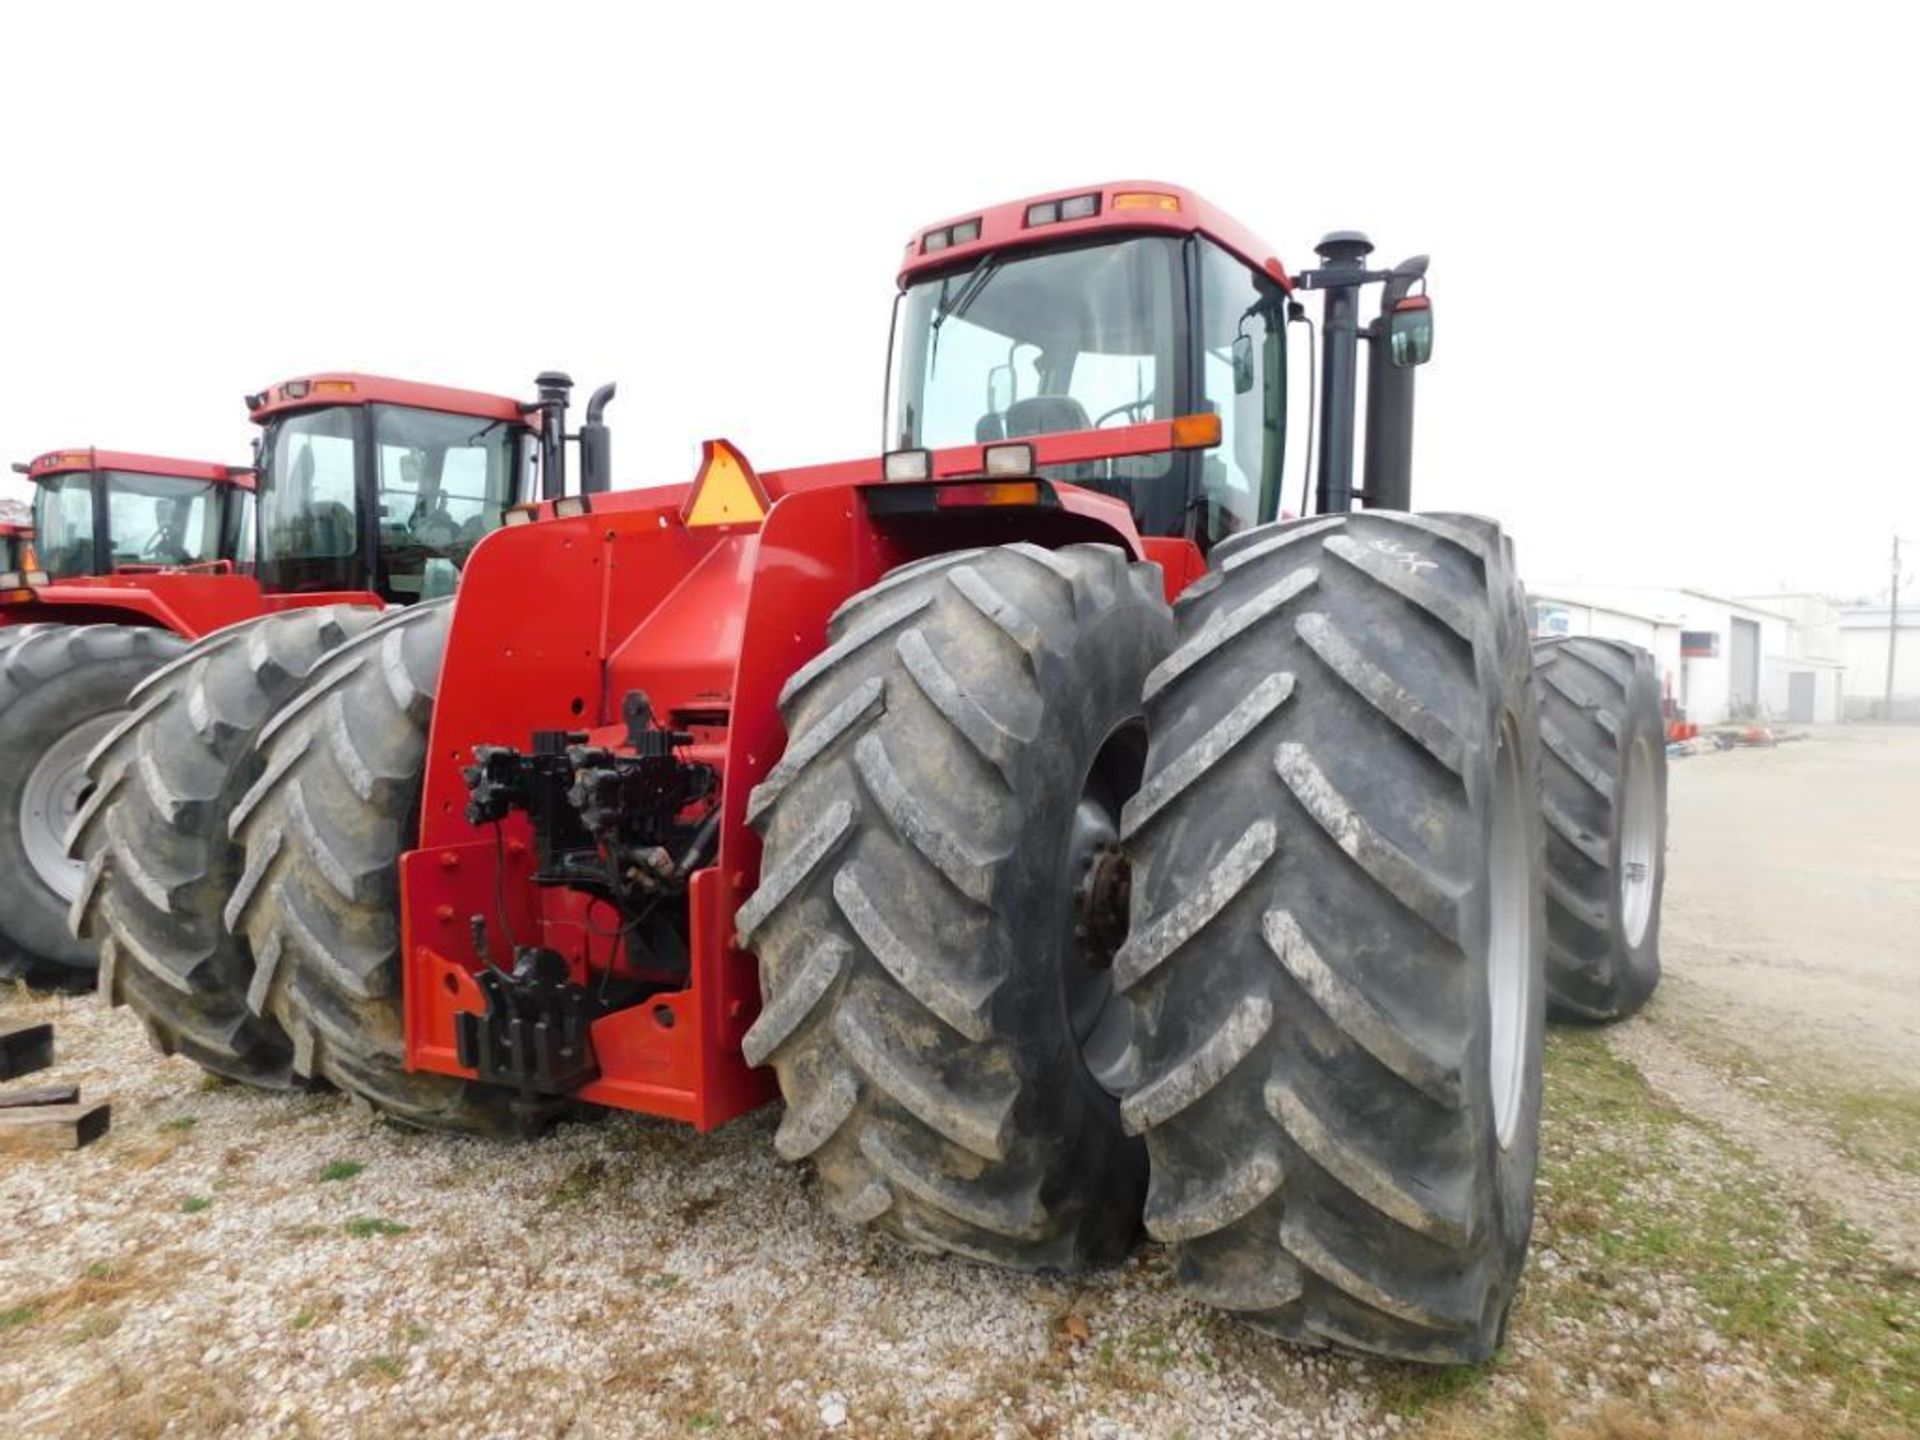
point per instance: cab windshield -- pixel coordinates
(439, 483)
(161, 520)
(1060, 340)
(63, 524)
(9, 550)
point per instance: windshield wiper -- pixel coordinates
(969, 292)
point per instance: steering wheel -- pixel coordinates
(1131, 405)
(162, 551)
(436, 529)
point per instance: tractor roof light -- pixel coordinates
(1009, 459)
(1146, 200)
(964, 232)
(1074, 207)
(36, 578)
(904, 465)
(571, 507)
(10, 580)
(520, 514)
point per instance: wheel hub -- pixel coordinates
(1639, 842)
(1103, 896)
(1098, 890)
(55, 790)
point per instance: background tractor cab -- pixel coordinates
(105, 512)
(370, 484)
(1132, 303)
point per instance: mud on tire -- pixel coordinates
(323, 829)
(1336, 936)
(62, 688)
(1603, 780)
(153, 837)
(926, 1001)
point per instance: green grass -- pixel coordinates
(16, 1316)
(337, 1170)
(365, 1227)
(180, 1123)
(194, 1204)
(1804, 1291)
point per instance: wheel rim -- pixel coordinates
(1099, 881)
(55, 790)
(1639, 843)
(1509, 939)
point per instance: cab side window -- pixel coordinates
(1243, 379)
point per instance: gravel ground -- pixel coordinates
(228, 1262)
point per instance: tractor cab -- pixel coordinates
(1123, 305)
(106, 512)
(1096, 310)
(371, 484)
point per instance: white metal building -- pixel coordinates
(1719, 658)
(1864, 633)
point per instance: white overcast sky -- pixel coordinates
(1668, 241)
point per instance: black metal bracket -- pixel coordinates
(535, 1034)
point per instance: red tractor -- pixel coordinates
(898, 789)
(16, 556)
(371, 493)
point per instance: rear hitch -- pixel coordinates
(535, 1034)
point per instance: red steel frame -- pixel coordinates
(709, 623)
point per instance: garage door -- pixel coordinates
(1800, 697)
(1743, 681)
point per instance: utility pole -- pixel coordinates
(1893, 630)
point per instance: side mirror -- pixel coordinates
(1242, 364)
(1410, 332)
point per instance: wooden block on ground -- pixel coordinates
(40, 1095)
(51, 1128)
(24, 1049)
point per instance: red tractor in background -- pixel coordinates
(1053, 910)
(112, 518)
(371, 493)
(16, 557)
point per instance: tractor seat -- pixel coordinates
(1045, 415)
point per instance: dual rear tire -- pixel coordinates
(1332, 974)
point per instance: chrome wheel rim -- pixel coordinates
(1509, 939)
(1639, 842)
(55, 790)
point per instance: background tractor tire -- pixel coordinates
(62, 690)
(323, 829)
(1603, 781)
(1334, 969)
(957, 760)
(153, 837)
